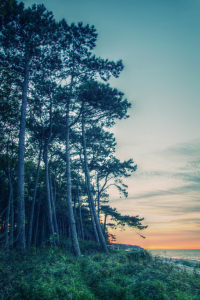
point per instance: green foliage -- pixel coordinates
(197, 265)
(53, 238)
(89, 247)
(125, 275)
(48, 73)
(119, 220)
(6, 6)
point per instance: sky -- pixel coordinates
(159, 44)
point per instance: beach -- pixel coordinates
(184, 264)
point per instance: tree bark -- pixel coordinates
(43, 231)
(74, 210)
(9, 202)
(91, 210)
(12, 224)
(53, 208)
(100, 234)
(21, 244)
(50, 221)
(74, 238)
(92, 214)
(104, 227)
(37, 224)
(30, 228)
(49, 204)
(98, 195)
(79, 208)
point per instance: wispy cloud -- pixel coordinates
(182, 233)
(181, 178)
(175, 221)
(188, 149)
(168, 194)
(173, 191)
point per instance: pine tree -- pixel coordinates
(25, 35)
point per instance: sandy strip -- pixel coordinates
(184, 264)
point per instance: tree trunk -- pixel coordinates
(9, 203)
(104, 227)
(50, 221)
(21, 244)
(79, 207)
(12, 224)
(74, 209)
(37, 224)
(98, 195)
(1, 202)
(74, 238)
(91, 211)
(30, 228)
(92, 214)
(58, 227)
(53, 208)
(63, 228)
(100, 234)
(43, 231)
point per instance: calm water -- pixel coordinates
(180, 254)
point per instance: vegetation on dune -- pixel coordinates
(55, 273)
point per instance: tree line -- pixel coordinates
(57, 153)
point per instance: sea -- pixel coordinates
(178, 254)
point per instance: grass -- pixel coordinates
(48, 273)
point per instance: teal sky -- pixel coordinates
(159, 43)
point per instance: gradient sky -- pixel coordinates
(159, 43)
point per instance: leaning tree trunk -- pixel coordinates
(21, 243)
(74, 238)
(104, 227)
(100, 234)
(91, 210)
(98, 196)
(30, 228)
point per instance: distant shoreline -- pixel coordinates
(171, 249)
(135, 246)
(182, 254)
(175, 258)
(189, 265)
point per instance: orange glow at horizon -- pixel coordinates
(173, 248)
(176, 231)
(158, 239)
(165, 248)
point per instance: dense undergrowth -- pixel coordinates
(50, 273)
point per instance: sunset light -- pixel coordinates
(100, 149)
